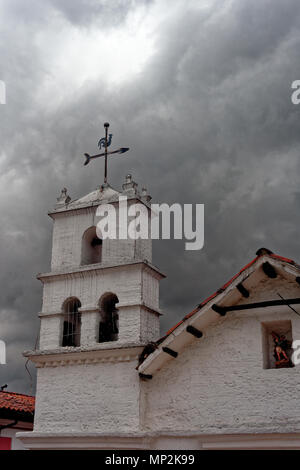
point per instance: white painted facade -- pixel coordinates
(218, 391)
(11, 432)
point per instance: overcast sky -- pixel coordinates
(201, 93)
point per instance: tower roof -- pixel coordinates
(101, 194)
(104, 193)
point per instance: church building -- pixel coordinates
(222, 378)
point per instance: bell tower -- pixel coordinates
(113, 281)
(100, 308)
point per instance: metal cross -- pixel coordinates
(106, 142)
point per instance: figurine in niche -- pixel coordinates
(281, 346)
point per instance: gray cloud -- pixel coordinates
(208, 119)
(107, 13)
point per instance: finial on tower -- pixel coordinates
(64, 198)
(130, 186)
(145, 196)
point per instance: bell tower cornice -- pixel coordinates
(80, 271)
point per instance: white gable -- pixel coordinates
(254, 280)
(219, 383)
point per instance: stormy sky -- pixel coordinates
(201, 93)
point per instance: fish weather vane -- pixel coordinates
(105, 142)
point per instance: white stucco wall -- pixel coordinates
(218, 383)
(134, 285)
(88, 397)
(69, 228)
(89, 286)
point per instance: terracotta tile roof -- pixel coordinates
(16, 402)
(221, 289)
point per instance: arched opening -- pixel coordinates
(72, 323)
(91, 247)
(109, 318)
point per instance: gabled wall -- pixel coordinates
(219, 385)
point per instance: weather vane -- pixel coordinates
(105, 142)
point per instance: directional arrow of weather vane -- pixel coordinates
(105, 142)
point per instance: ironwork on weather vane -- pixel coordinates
(105, 142)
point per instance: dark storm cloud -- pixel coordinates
(77, 12)
(209, 120)
(107, 13)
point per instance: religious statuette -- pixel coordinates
(281, 346)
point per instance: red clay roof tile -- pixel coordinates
(17, 402)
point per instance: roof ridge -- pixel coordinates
(262, 252)
(18, 394)
(259, 254)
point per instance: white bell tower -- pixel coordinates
(100, 308)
